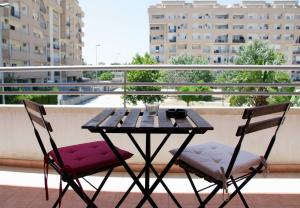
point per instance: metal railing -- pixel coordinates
(165, 86)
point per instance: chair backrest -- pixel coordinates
(254, 126)
(36, 113)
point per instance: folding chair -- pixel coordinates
(73, 162)
(223, 165)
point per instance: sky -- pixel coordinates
(120, 27)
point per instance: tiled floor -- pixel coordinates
(22, 197)
(23, 188)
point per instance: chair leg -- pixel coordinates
(239, 192)
(238, 189)
(210, 196)
(102, 184)
(61, 196)
(193, 186)
(81, 193)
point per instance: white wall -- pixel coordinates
(17, 140)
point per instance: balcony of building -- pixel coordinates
(39, 57)
(15, 34)
(20, 53)
(23, 187)
(238, 39)
(221, 39)
(222, 16)
(296, 51)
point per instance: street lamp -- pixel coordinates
(98, 45)
(3, 5)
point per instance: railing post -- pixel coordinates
(125, 88)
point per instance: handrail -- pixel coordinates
(131, 84)
(165, 86)
(258, 93)
(153, 67)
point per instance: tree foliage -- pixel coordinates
(143, 76)
(257, 53)
(17, 99)
(191, 76)
(194, 98)
(106, 76)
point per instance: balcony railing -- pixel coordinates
(124, 84)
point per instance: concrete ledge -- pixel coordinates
(39, 164)
(18, 141)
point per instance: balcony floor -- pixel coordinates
(23, 188)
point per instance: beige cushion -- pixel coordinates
(210, 157)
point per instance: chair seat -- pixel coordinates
(210, 157)
(90, 157)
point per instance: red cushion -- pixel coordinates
(89, 157)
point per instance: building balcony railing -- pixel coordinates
(238, 41)
(221, 41)
(296, 52)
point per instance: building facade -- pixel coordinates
(34, 34)
(216, 32)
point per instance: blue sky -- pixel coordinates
(121, 27)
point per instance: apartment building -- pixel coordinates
(216, 32)
(34, 34)
(71, 36)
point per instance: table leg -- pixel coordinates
(168, 166)
(152, 168)
(127, 168)
(147, 163)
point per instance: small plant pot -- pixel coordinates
(152, 108)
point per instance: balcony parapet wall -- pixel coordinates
(17, 140)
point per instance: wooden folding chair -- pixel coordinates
(223, 165)
(73, 162)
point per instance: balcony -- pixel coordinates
(222, 16)
(296, 52)
(238, 16)
(222, 39)
(239, 39)
(39, 57)
(20, 53)
(172, 40)
(14, 125)
(16, 34)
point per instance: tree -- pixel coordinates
(143, 76)
(190, 98)
(188, 76)
(192, 76)
(106, 76)
(257, 53)
(17, 99)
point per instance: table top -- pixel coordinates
(122, 120)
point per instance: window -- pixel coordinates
(277, 27)
(158, 16)
(252, 16)
(289, 16)
(278, 16)
(24, 10)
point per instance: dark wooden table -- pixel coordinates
(134, 121)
